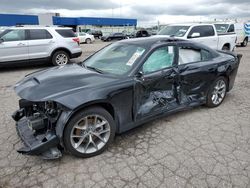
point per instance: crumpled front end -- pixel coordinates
(35, 124)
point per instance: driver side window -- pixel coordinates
(161, 58)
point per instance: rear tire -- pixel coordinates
(217, 92)
(244, 43)
(60, 58)
(88, 41)
(89, 132)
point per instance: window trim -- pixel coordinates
(174, 64)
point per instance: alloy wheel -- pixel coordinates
(90, 134)
(61, 59)
(219, 92)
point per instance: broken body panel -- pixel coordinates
(51, 97)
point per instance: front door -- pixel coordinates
(13, 45)
(155, 88)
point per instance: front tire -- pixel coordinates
(217, 92)
(60, 58)
(89, 132)
(226, 48)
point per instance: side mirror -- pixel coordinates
(139, 75)
(195, 35)
(1, 40)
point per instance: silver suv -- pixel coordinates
(27, 44)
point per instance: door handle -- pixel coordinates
(21, 44)
(51, 41)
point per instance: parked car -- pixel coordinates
(114, 36)
(80, 107)
(2, 29)
(203, 33)
(38, 44)
(139, 33)
(97, 33)
(85, 37)
(238, 28)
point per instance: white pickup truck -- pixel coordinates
(201, 33)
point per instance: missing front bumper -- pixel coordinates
(40, 144)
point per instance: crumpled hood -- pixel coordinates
(56, 82)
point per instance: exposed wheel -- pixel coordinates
(60, 58)
(225, 48)
(244, 43)
(89, 132)
(88, 41)
(217, 92)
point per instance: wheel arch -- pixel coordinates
(60, 49)
(227, 45)
(67, 116)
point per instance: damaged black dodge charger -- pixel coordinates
(79, 108)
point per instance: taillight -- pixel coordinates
(76, 40)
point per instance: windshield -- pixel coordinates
(117, 58)
(177, 31)
(221, 28)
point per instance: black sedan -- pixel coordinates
(114, 36)
(79, 108)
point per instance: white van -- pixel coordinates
(238, 28)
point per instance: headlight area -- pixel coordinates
(35, 125)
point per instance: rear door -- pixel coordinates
(40, 42)
(197, 70)
(204, 34)
(13, 45)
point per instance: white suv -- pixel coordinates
(28, 44)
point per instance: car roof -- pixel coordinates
(149, 41)
(190, 24)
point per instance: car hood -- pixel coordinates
(53, 83)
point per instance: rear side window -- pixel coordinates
(204, 31)
(231, 29)
(39, 34)
(191, 55)
(66, 33)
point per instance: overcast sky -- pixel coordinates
(146, 11)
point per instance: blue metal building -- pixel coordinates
(94, 21)
(15, 19)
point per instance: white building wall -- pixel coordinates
(46, 19)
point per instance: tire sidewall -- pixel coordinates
(88, 41)
(56, 54)
(88, 111)
(244, 44)
(225, 48)
(209, 102)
